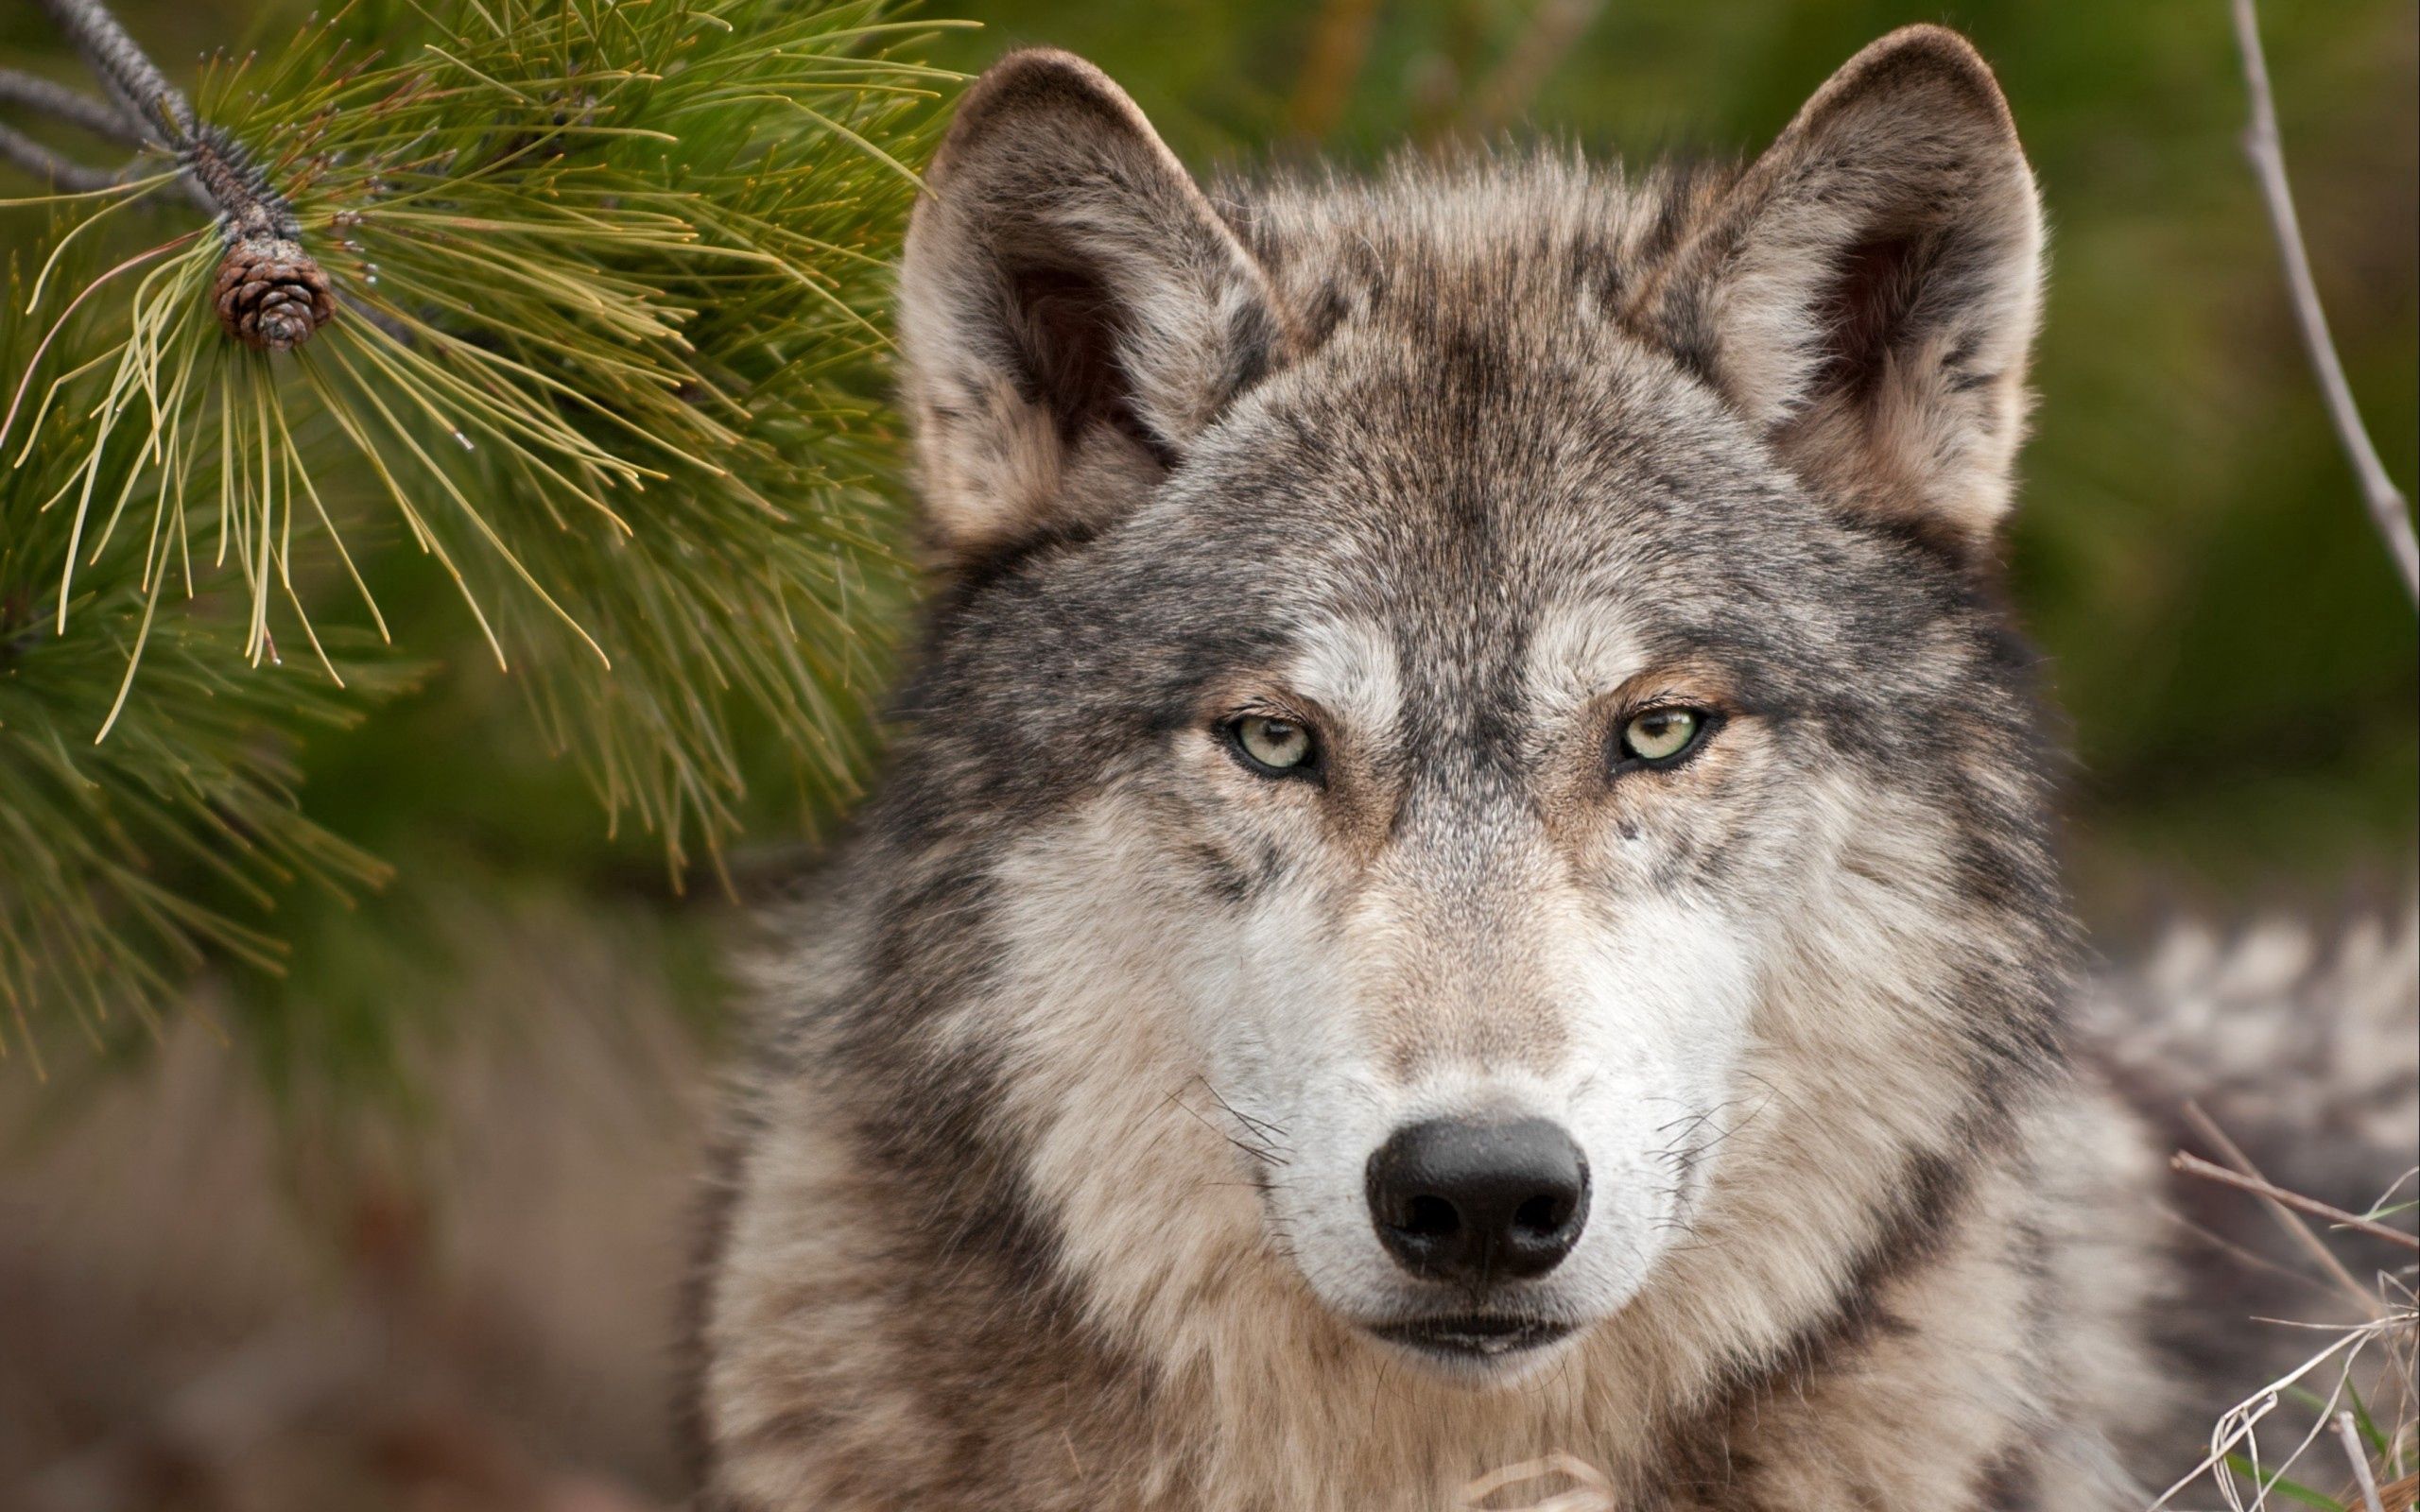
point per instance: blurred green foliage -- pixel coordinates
(2230, 643)
(612, 276)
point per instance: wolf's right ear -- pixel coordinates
(1866, 292)
(1072, 311)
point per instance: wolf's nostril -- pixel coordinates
(1479, 1202)
(1431, 1215)
(1539, 1215)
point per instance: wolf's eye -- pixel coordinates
(1661, 737)
(1272, 747)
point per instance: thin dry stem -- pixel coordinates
(2386, 505)
(2238, 1427)
(2195, 1165)
(2354, 1452)
(2295, 1228)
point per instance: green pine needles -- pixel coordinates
(577, 301)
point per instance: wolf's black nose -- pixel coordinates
(1477, 1203)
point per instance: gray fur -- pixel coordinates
(1039, 1194)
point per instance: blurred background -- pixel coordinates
(404, 1228)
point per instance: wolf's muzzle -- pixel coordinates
(1475, 1204)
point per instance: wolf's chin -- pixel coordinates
(1478, 1350)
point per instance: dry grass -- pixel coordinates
(2346, 1450)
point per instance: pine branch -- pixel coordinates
(142, 95)
(619, 274)
(271, 294)
(131, 862)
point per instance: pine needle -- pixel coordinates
(610, 283)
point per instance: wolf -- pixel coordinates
(1467, 872)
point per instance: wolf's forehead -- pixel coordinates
(1537, 665)
(1527, 545)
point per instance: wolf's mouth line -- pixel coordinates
(1473, 1335)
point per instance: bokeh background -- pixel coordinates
(404, 1228)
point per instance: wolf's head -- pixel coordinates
(1484, 689)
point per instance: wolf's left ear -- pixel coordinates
(1868, 289)
(1073, 312)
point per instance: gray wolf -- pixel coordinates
(1467, 872)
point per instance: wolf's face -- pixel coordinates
(1474, 690)
(1483, 811)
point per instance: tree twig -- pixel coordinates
(2261, 143)
(2195, 1165)
(30, 155)
(142, 91)
(271, 294)
(219, 175)
(2296, 1229)
(32, 93)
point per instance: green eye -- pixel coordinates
(1271, 746)
(1662, 736)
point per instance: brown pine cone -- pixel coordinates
(271, 294)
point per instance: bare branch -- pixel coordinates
(56, 100)
(2386, 505)
(2195, 1165)
(142, 91)
(59, 173)
(2296, 1229)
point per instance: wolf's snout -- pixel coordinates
(1476, 1203)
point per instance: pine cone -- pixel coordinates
(271, 294)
